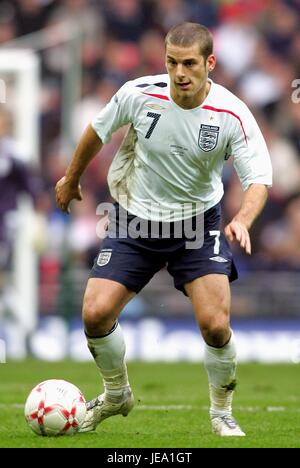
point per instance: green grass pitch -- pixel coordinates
(171, 406)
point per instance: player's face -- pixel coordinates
(188, 73)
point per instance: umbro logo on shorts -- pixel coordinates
(219, 259)
(104, 257)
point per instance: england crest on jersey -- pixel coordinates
(208, 137)
(104, 257)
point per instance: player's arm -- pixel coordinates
(253, 165)
(114, 115)
(253, 202)
(68, 188)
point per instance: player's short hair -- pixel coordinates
(187, 34)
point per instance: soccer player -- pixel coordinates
(183, 127)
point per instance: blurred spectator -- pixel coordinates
(70, 19)
(262, 85)
(281, 24)
(93, 100)
(294, 53)
(285, 162)
(31, 15)
(281, 239)
(15, 178)
(8, 27)
(120, 59)
(126, 20)
(152, 46)
(290, 125)
(82, 15)
(204, 12)
(236, 40)
(168, 13)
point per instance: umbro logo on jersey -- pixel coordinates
(104, 257)
(208, 137)
(153, 105)
(219, 259)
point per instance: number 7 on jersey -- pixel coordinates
(155, 118)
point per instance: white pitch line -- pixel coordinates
(277, 408)
(164, 407)
(245, 409)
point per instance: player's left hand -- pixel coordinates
(237, 230)
(66, 191)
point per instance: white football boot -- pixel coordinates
(105, 406)
(226, 426)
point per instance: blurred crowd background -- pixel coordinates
(257, 44)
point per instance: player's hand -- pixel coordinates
(65, 192)
(237, 230)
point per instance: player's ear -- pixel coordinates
(211, 62)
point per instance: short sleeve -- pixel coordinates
(251, 156)
(114, 115)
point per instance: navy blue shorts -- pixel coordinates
(134, 261)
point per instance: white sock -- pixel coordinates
(220, 364)
(109, 352)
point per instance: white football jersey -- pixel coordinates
(169, 166)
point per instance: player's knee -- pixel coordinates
(97, 315)
(216, 331)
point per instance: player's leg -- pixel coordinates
(103, 301)
(210, 296)
(122, 268)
